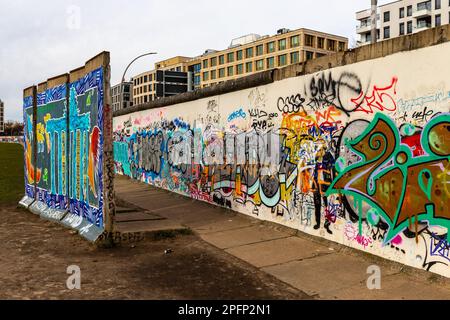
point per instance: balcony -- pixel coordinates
(366, 26)
(422, 27)
(422, 11)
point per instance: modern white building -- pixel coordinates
(122, 100)
(402, 17)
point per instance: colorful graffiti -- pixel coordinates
(404, 189)
(343, 154)
(86, 147)
(51, 139)
(32, 174)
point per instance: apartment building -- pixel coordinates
(254, 53)
(119, 100)
(402, 17)
(2, 119)
(145, 85)
(245, 55)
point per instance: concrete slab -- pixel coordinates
(224, 224)
(148, 226)
(320, 275)
(136, 216)
(393, 287)
(239, 237)
(275, 252)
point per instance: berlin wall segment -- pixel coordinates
(67, 128)
(357, 154)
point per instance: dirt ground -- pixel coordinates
(36, 254)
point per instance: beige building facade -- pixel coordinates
(403, 17)
(144, 84)
(245, 56)
(252, 53)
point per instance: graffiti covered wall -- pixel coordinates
(30, 174)
(51, 128)
(357, 154)
(73, 121)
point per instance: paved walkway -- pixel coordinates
(315, 266)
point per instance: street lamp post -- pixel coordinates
(373, 18)
(124, 73)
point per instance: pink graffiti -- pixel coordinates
(363, 240)
(350, 232)
(397, 241)
(381, 99)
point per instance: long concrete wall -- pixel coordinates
(357, 154)
(68, 149)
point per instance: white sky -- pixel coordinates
(38, 41)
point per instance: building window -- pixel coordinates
(387, 16)
(295, 41)
(221, 59)
(197, 67)
(214, 62)
(341, 46)
(437, 20)
(239, 55)
(409, 11)
(249, 67)
(331, 45)
(437, 4)
(230, 57)
(409, 27)
(259, 65)
(386, 32)
(424, 6)
(402, 28)
(230, 71)
(205, 76)
(309, 55)
(196, 80)
(213, 74)
(271, 47)
(282, 44)
(320, 43)
(222, 73)
(249, 53)
(295, 57)
(282, 61)
(309, 40)
(240, 69)
(401, 13)
(260, 50)
(205, 64)
(270, 63)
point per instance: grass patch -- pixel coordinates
(11, 173)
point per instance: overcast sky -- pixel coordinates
(39, 40)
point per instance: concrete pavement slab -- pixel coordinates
(279, 251)
(148, 226)
(239, 237)
(323, 274)
(393, 287)
(226, 223)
